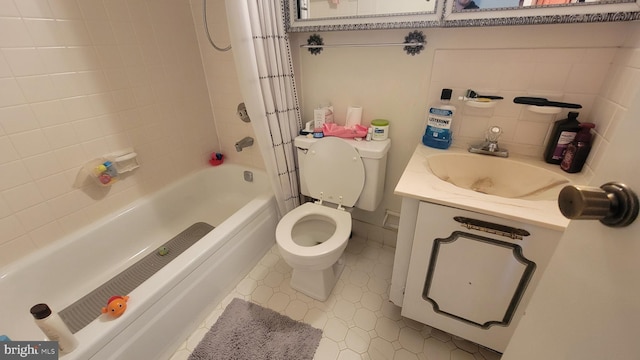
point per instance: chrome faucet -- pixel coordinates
(490, 144)
(246, 142)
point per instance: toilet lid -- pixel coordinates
(334, 168)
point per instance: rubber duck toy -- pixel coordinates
(116, 306)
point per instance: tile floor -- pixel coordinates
(357, 320)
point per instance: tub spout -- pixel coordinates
(246, 142)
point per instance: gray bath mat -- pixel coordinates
(246, 331)
(86, 309)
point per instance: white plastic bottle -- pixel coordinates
(54, 328)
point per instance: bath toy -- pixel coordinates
(162, 251)
(116, 306)
(216, 159)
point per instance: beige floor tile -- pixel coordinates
(357, 320)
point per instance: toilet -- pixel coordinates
(339, 174)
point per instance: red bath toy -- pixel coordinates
(116, 306)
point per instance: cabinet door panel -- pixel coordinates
(476, 279)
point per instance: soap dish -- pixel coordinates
(546, 110)
(480, 104)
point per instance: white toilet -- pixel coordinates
(340, 174)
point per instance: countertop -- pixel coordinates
(418, 182)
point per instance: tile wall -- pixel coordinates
(222, 81)
(572, 75)
(567, 62)
(79, 79)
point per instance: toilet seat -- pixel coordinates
(334, 172)
(340, 218)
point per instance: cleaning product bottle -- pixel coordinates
(563, 133)
(54, 328)
(438, 133)
(578, 150)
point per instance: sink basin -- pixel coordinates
(497, 176)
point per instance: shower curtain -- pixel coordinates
(262, 56)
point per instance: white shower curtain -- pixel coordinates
(262, 56)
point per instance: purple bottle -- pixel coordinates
(578, 151)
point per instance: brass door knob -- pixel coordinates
(614, 204)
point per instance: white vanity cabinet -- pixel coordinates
(470, 274)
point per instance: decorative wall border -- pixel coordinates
(546, 19)
(443, 22)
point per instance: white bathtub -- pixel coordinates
(167, 307)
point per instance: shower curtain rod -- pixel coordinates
(413, 44)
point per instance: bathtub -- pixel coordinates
(166, 308)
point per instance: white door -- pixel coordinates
(587, 305)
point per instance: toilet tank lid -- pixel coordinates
(366, 149)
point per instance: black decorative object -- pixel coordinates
(315, 39)
(414, 37)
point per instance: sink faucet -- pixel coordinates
(490, 144)
(246, 142)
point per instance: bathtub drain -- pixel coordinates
(82, 312)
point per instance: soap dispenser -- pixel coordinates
(563, 133)
(577, 152)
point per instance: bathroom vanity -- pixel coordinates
(469, 257)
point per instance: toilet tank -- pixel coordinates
(374, 158)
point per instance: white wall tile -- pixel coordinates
(625, 89)
(101, 33)
(117, 10)
(72, 33)
(71, 156)
(5, 69)
(549, 76)
(35, 216)
(8, 8)
(69, 203)
(77, 108)
(586, 78)
(17, 119)
(10, 228)
(599, 56)
(95, 148)
(49, 113)
(7, 152)
(75, 76)
(24, 61)
(61, 135)
(37, 88)
(10, 93)
(13, 33)
(30, 143)
(44, 32)
(54, 185)
(4, 208)
(65, 9)
(87, 129)
(530, 133)
(16, 248)
(34, 8)
(13, 174)
(43, 165)
(93, 10)
(46, 234)
(22, 196)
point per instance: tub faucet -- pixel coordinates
(246, 142)
(490, 144)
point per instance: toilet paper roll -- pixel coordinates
(354, 116)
